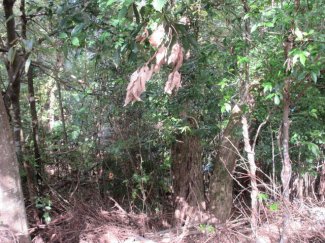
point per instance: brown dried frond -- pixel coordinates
(142, 37)
(174, 81)
(174, 54)
(160, 58)
(157, 36)
(137, 84)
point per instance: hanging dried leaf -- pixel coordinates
(174, 54)
(157, 36)
(160, 58)
(137, 84)
(143, 78)
(149, 73)
(174, 81)
(179, 59)
(129, 93)
(142, 37)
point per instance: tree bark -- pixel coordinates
(14, 73)
(62, 114)
(321, 189)
(187, 179)
(33, 112)
(252, 168)
(221, 183)
(12, 209)
(38, 160)
(286, 163)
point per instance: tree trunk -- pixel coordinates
(252, 167)
(14, 73)
(301, 188)
(62, 114)
(286, 164)
(12, 209)
(33, 112)
(187, 179)
(51, 106)
(38, 160)
(321, 189)
(221, 183)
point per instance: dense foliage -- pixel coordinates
(120, 86)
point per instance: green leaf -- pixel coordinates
(27, 64)
(247, 15)
(267, 86)
(75, 41)
(302, 75)
(262, 197)
(269, 96)
(158, 4)
(313, 148)
(29, 45)
(274, 206)
(295, 59)
(193, 42)
(313, 113)
(204, 13)
(122, 12)
(181, 28)
(132, 57)
(48, 38)
(254, 27)
(228, 107)
(67, 64)
(136, 13)
(104, 36)
(302, 58)
(10, 18)
(77, 29)
(65, 48)
(314, 76)
(78, 18)
(110, 2)
(116, 59)
(185, 43)
(11, 54)
(128, 2)
(276, 100)
(63, 35)
(299, 33)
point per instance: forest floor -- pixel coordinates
(91, 221)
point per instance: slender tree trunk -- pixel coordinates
(51, 105)
(187, 179)
(286, 164)
(33, 112)
(252, 168)
(301, 188)
(249, 102)
(62, 114)
(221, 183)
(38, 160)
(12, 208)
(321, 190)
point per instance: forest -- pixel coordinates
(153, 121)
